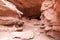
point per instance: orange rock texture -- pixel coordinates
(28, 7)
(8, 16)
(50, 17)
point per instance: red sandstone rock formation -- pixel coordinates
(8, 16)
(57, 9)
(51, 17)
(28, 7)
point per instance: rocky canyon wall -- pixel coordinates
(9, 15)
(50, 17)
(47, 10)
(31, 7)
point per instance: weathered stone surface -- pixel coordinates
(6, 14)
(57, 9)
(9, 16)
(57, 24)
(30, 8)
(51, 17)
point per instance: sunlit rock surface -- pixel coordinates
(50, 18)
(8, 16)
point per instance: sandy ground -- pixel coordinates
(31, 31)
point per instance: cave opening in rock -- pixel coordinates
(32, 12)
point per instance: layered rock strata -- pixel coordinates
(9, 15)
(50, 18)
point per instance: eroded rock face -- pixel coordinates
(51, 17)
(30, 8)
(57, 9)
(8, 15)
(48, 13)
(57, 26)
